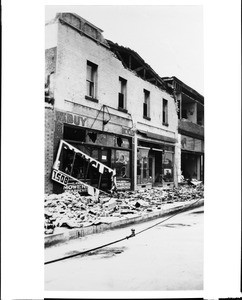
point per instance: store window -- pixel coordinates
(168, 166)
(74, 133)
(122, 142)
(120, 160)
(91, 80)
(143, 166)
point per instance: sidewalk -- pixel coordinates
(107, 223)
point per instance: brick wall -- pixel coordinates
(50, 60)
(49, 138)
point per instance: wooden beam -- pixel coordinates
(151, 79)
(144, 73)
(139, 69)
(130, 61)
(120, 57)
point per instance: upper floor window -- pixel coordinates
(91, 80)
(146, 105)
(122, 95)
(165, 112)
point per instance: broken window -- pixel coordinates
(91, 79)
(92, 136)
(119, 141)
(67, 159)
(146, 104)
(122, 93)
(74, 166)
(184, 114)
(97, 138)
(122, 142)
(74, 133)
(165, 112)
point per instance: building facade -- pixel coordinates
(106, 101)
(190, 129)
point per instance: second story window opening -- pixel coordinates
(91, 80)
(122, 95)
(146, 105)
(165, 112)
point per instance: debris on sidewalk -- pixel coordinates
(72, 210)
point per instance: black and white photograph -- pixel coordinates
(124, 148)
(123, 184)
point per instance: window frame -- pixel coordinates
(165, 112)
(146, 102)
(122, 91)
(91, 83)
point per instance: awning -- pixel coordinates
(157, 136)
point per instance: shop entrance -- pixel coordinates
(149, 167)
(191, 166)
(156, 167)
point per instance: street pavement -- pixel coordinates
(166, 257)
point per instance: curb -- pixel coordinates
(58, 238)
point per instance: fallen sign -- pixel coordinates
(76, 187)
(72, 166)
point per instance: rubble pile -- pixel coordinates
(72, 210)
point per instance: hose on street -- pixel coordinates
(133, 234)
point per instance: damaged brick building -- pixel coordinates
(190, 129)
(106, 101)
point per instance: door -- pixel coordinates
(152, 169)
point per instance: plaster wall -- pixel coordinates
(73, 51)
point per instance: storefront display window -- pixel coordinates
(168, 167)
(76, 165)
(110, 140)
(122, 142)
(96, 138)
(143, 166)
(110, 149)
(121, 162)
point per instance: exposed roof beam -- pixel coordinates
(139, 69)
(152, 79)
(144, 73)
(120, 57)
(130, 61)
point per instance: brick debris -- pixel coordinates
(72, 210)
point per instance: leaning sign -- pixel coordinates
(68, 170)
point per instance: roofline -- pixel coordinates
(134, 53)
(183, 84)
(81, 18)
(59, 16)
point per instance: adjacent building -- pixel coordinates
(106, 101)
(190, 112)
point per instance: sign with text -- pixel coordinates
(60, 177)
(76, 187)
(123, 185)
(72, 166)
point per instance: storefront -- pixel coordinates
(192, 158)
(111, 149)
(155, 161)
